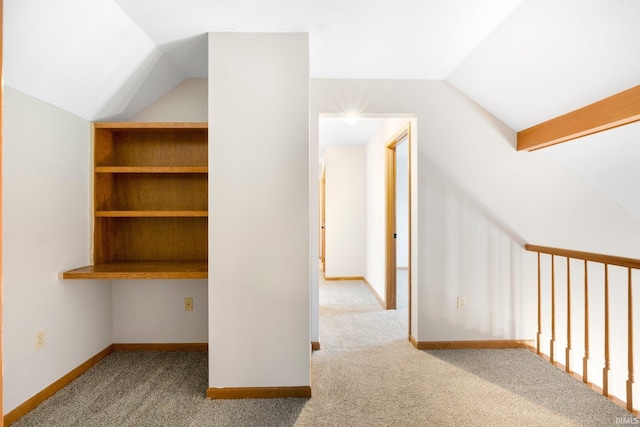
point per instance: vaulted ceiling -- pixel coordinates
(524, 61)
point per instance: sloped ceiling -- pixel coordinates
(550, 57)
(107, 58)
(608, 161)
(524, 61)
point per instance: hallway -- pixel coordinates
(351, 317)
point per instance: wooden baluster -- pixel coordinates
(585, 359)
(630, 380)
(552, 344)
(607, 363)
(539, 309)
(567, 366)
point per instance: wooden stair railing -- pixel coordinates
(606, 260)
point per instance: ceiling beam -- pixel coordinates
(617, 110)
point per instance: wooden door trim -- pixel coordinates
(390, 250)
(391, 289)
(1, 173)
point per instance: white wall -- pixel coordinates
(46, 230)
(187, 102)
(376, 185)
(259, 210)
(402, 206)
(469, 254)
(345, 241)
(152, 311)
(475, 189)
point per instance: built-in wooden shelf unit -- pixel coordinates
(150, 202)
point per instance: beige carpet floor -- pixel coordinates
(366, 374)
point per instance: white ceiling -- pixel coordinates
(609, 161)
(101, 53)
(524, 61)
(348, 39)
(341, 132)
(550, 57)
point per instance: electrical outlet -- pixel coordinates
(40, 340)
(188, 304)
(462, 303)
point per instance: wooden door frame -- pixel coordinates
(391, 161)
(1, 290)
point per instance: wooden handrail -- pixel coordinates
(606, 261)
(587, 256)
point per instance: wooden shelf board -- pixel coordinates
(150, 201)
(152, 169)
(151, 125)
(150, 214)
(187, 269)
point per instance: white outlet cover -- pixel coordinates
(40, 340)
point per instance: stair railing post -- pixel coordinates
(585, 359)
(539, 337)
(552, 344)
(607, 362)
(567, 366)
(630, 380)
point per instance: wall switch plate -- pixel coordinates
(40, 340)
(188, 304)
(462, 303)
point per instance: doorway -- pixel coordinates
(342, 176)
(398, 227)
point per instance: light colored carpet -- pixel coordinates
(367, 374)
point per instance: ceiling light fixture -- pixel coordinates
(351, 118)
